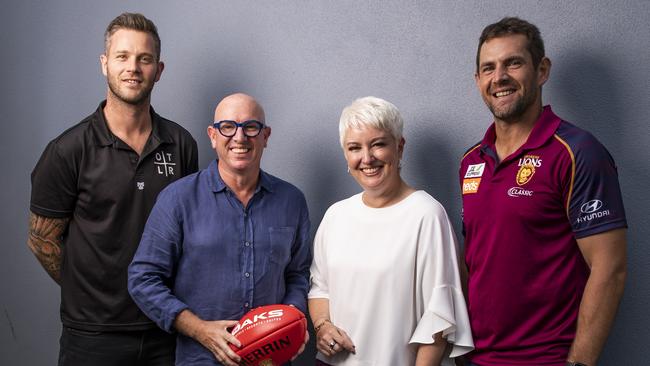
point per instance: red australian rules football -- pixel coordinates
(270, 335)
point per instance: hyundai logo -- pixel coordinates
(591, 206)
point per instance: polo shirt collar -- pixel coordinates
(105, 137)
(265, 182)
(544, 128)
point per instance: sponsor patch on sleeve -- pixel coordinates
(471, 185)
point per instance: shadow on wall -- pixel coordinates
(589, 93)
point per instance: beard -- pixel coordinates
(515, 110)
(138, 98)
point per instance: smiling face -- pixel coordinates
(509, 83)
(131, 67)
(373, 157)
(239, 154)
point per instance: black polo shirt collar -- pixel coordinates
(104, 136)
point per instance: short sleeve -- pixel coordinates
(595, 202)
(441, 297)
(54, 184)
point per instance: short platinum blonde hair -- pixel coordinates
(371, 112)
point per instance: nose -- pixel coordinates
(133, 65)
(367, 156)
(239, 135)
(501, 74)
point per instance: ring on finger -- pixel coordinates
(332, 344)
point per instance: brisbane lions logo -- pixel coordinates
(525, 173)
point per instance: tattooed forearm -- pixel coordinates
(45, 241)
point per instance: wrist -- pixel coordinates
(318, 324)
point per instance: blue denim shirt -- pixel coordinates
(203, 250)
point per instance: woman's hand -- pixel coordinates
(331, 340)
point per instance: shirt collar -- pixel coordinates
(104, 136)
(544, 128)
(265, 182)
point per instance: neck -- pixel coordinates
(130, 123)
(511, 134)
(387, 197)
(243, 184)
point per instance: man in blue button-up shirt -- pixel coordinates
(222, 241)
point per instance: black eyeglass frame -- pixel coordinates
(260, 126)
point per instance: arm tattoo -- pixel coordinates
(45, 241)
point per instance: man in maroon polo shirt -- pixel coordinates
(543, 218)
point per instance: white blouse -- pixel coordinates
(391, 277)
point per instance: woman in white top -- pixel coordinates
(385, 283)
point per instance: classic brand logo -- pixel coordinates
(475, 170)
(591, 206)
(518, 191)
(471, 185)
(257, 318)
(164, 163)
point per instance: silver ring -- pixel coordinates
(332, 344)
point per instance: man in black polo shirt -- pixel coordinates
(92, 191)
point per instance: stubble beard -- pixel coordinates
(514, 111)
(142, 97)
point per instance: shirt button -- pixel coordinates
(247, 274)
(247, 244)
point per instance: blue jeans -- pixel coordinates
(152, 347)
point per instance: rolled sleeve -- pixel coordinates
(152, 269)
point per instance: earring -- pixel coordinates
(348, 170)
(399, 165)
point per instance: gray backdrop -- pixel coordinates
(306, 60)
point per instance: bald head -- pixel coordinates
(239, 107)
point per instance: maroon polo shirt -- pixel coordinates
(521, 219)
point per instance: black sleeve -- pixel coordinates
(54, 184)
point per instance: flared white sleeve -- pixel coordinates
(439, 298)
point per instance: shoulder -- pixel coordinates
(181, 188)
(471, 149)
(580, 144)
(282, 186)
(423, 204)
(74, 140)
(174, 130)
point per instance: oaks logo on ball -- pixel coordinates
(257, 319)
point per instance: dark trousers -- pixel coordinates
(152, 347)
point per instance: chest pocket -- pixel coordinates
(281, 240)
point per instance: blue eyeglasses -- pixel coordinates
(251, 128)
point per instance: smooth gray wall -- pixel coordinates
(306, 60)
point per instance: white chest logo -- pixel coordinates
(164, 163)
(475, 170)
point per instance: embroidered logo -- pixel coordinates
(140, 185)
(525, 174)
(475, 170)
(164, 163)
(519, 192)
(471, 185)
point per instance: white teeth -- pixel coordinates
(370, 170)
(504, 93)
(239, 150)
